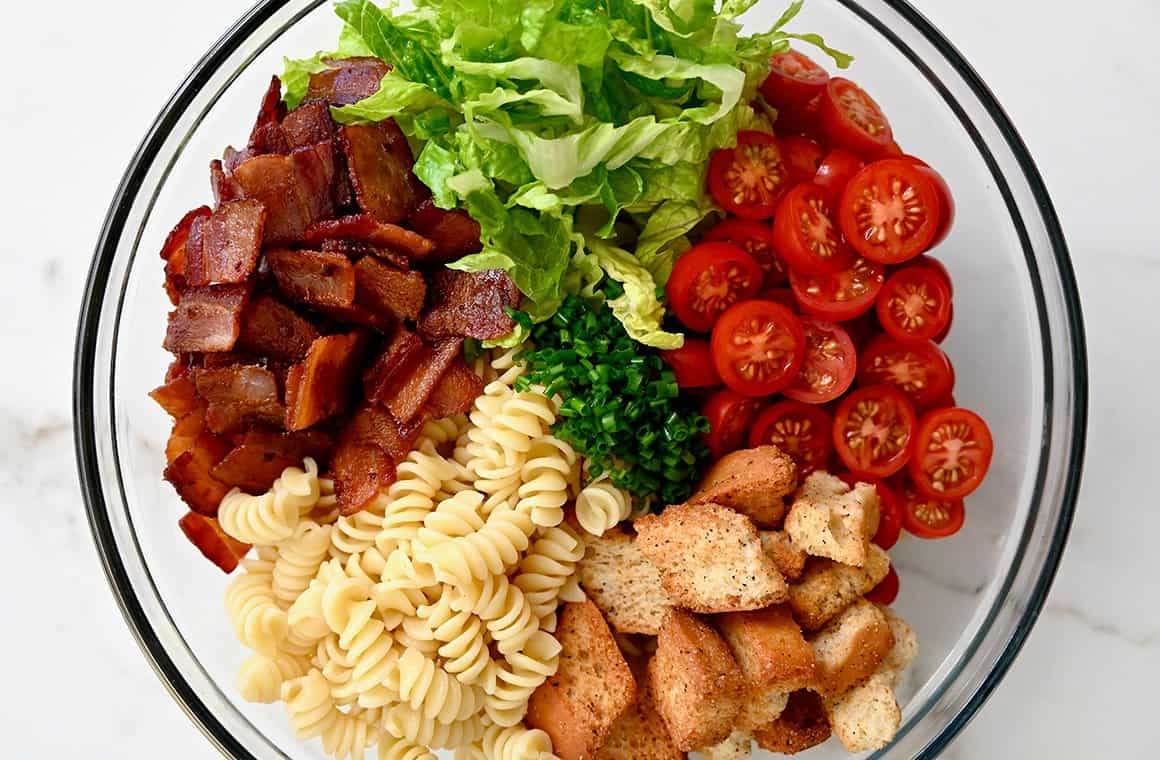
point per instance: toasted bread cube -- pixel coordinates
(697, 684)
(761, 708)
(591, 689)
(623, 584)
(827, 588)
(829, 519)
(789, 560)
(851, 648)
(710, 559)
(866, 718)
(640, 733)
(803, 724)
(905, 647)
(739, 746)
(773, 656)
(754, 482)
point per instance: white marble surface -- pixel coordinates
(1079, 80)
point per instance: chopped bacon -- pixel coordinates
(456, 392)
(178, 397)
(233, 158)
(274, 330)
(267, 136)
(356, 315)
(224, 247)
(355, 250)
(470, 304)
(238, 395)
(308, 124)
(348, 81)
(366, 229)
(321, 386)
(207, 319)
(225, 187)
(260, 458)
(380, 162)
(401, 354)
(207, 535)
(191, 474)
(173, 252)
(410, 391)
(454, 233)
(297, 190)
(324, 279)
(388, 290)
(364, 463)
(180, 367)
(185, 433)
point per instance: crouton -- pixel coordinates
(866, 718)
(761, 708)
(697, 684)
(640, 733)
(803, 724)
(773, 656)
(591, 689)
(851, 648)
(829, 519)
(827, 588)
(754, 482)
(623, 584)
(739, 746)
(789, 560)
(710, 559)
(905, 647)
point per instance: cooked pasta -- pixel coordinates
(272, 517)
(510, 682)
(299, 558)
(260, 678)
(401, 722)
(432, 691)
(517, 743)
(410, 498)
(313, 713)
(259, 622)
(601, 506)
(547, 567)
(493, 550)
(463, 643)
(401, 749)
(546, 476)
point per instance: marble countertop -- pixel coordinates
(86, 82)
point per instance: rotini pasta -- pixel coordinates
(547, 567)
(433, 692)
(299, 558)
(260, 678)
(272, 517)
(493, 550)
(401, 722)
(546, 476)
(462, 637)
(509, 683)
(516, 743)
(401, 749)
(601, 506)
(258, 621)
(410, 498)
(313, 713)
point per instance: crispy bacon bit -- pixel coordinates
(308, 124)
(323, 279)
(355, 250)
(410, 392)
(348, 81)
(185, 433)
(380, 170)
(400, 355)
(224, 247)
(190, 474)
(233, 158)
(454, 233)
(366, 229)
(209, 538)
(297, 190)
(320, 386)
(261, 457)
(225, 187)
(267, 136)
(207, 319)
(370, 445)
(238, 395)
(470, 304)
(389, 291)
(173, 252)
(344, 316)
(178, 397)
(456, 392)
(180, 367)
(274, 330)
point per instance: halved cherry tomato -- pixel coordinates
(919, 369)
(802, 156)
(890, 211)
(709, 279)
(874, 431)
(929, 518)
(840, 297)
(946, 198)
(805, 233)
(946, 331)
(836, 170)
(933, 264)
(829, 367)
(852, 120)
(886, 592)
(756, 239)
(800, 120)
(794, 79)
(915, 304)
(889, 512)
(750, 179)
(945, 401)
(758, 347)
(863, 329)
(783, 296)
(952, 453)
(800, 430)
(730, 417)
(692, 363)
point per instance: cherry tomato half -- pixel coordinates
(890, 211)
(889, 512)
(756, 239)
(802, 156)
(805, 233)
(836, 170)
(709, 279)
(915, 304)
(946, 198)
(758, 347)
(749, 180)
(829, 367)
(794, 79)
(928, 518)
(852, 120)
(800, 120)
(730, 417)
(692, 363)
(917, 368)
(840, 297)
(800, 430)
(933, 264)
(874, 431)
(886, 592)
(783, 296)
(952, 453)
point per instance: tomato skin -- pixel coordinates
(800, 430)
(851, 119)
(946, 198)
(692, 363)
(802, 156)
(885, 188)
(836, 170)
(707, 280)
(928, 518)
(794, 79)
(892, 417)
(889, 512)
(730, 417)
(919, 369)
(800, 120)
(783, 296)
(915, 304)
(758, 347)
(756, 239)
(843, 296)
(968, 442)
(806, 235)
(829, 367)
(936, 266)
(749, 180)
(886, 592)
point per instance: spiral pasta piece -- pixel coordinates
(410, 498)
(601, 506)
(546, 476)
(493, 550)
(258, 621)
(517, 743)
(454, 518)
(272, 517)
(401, 749)
(433, 692)
(299, 558)
(401, 722)
(313, 713)
(509, 683)
(260, 678)
(463, 645)
(548, 566)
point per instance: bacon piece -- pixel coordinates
(355, 250)
(207, 535)
(272, 329)
(357, 315)
(297, 190)
(260, 458)
(308, 124)
(224, 247)
(267, 136)
(348, 81)
(454, 233)
(470, 304)
(207, 319)
(178, 397)
(191, 474)
(389, 291)
(380, 161)
(180, 367)
(233, 158)
(225, 187)
(366, 229)
(238, 395)
(397, 360)
(321, 386)
(185, 433)
(323, 279)
(410, 391)
(456, 391)
(364, 463)
(173, 252)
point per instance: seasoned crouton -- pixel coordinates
(761, 708)
(710, 559)
(640, 733)
(789, 560)
(625, 586)
(803, 724)
(828, 519)
(905, 647)
(697, 684)
(827, 587)
(591, 689)
(773, 656)
(754, 482)
(867, 717)
(739, 746)
(851, 648)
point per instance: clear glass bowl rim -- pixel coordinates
(96, 289)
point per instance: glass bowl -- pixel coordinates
(1018, 346)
